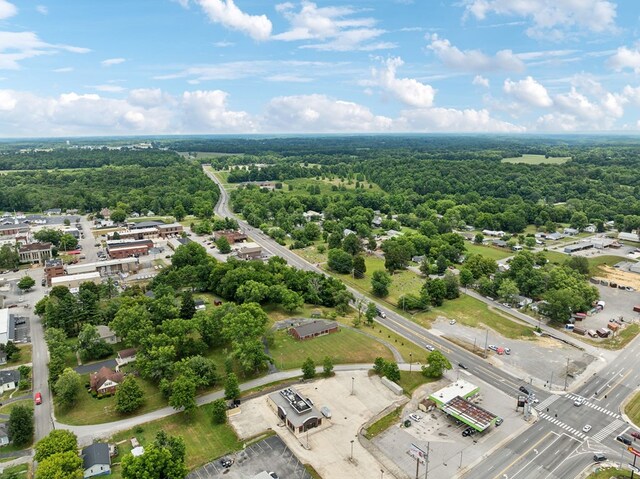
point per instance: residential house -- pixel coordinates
(555, 236)
(500, 243)
(9, 380)
(96, 460)
(53, 211)
(126, 356)
(498, 234)
(417, 259)
(200, 304)
(570, 231)
(312, 215)
(377, 221)
(590, 229)
(313, 329)
(107, 335)
(347, 232)
(105, 381)
(106, 213)
(634, 237)
(394, 233)
(175, 243)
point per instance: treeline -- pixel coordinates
(76, 158)
(141, 188)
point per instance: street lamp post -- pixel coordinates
(351, 449)
(352, 381)
(381, 473)
(566, 377)
(410, 361)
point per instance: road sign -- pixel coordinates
(634, 468)
(417, 453)
(633, 451)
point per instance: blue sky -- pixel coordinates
(89, 67)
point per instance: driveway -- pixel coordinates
(93, 367)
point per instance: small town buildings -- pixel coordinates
(590, 229)
(312, 215)
(347, 232)
(454, 401)
(377, 221)
(499, 243)
(172, 229)
(53, 268)
(75, 232)
(231, 235)
(105, 381)
(572, 248)
(7, 326)
(250, 251)
(143, 225)
(297, 413)
(570, 231)
(313, 329)
(126, 249)
(53, 211)
(106, 213)
(107, 335)
(35, 252)
(555, 236)
(106, 268)
(498, 234)
(602, 243)
(9, 380)
(96, 460)
(73, 281)
(13, 229)
(633, 237)
(175, 243)
(125, 356)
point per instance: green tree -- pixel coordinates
(441, 264)
(334, 241)
(179, 212)
(578, 263)
(188, 306)
(530, 242)
(507, 290)
(9, 257)
(579, 220)
(437, 363)
(67, 465)
(21, 425)
(359, 267)
(91, 345)
(183, 394)
(351, 244)
(478, 238)
(219, 411)
(380, 282)
(437, 291)
(466, 277)
(67, 242)
(308, 369)
(11, 350)
(340, 261)
(291, 301)
(129, 396)
(396, 255)
(223, 245)
(67, 387)
(452, 285)
(327, 367)
(371, 312)
(231, 387)
(118, 216)
(378, 366)
(58, 440)
(132, 323)
(392, 371)
(163, 459)
(26, 283)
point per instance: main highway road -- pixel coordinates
(556, 446)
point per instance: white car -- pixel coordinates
(430, 348)
(578, 402)
(493, 347)
(453, 321)
(587, 428)
(415, 417)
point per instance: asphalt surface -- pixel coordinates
(555, 447)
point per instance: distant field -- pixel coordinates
(207, 154)
(301, 184)
(536, 160)
(488, 251)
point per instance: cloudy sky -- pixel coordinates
(96, 67)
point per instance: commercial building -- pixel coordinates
(231, 235)
(297, 413)
(175, 243)
(453, 400)
(250, 251)
(53, 268)
(35, 252)
(73, 281)
(107, 268)
(313, 329)
(169, 230)
(126, 249)
(634, 237)
(13, 229)
(572, 248)
(7, 326)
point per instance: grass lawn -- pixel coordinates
(609, 473)
(204, 440)
(410, 381)
(632, 409)
(301, 185)
(90, 410)
(537, 160)
(606, 260)
(21, 470)
(345, 346)
(472, 312)
(556, 257)
(384, 423)
(488, 251)
(6, 409)
(24, 358)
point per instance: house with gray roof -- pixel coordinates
(9, 380)
(313, 329)
(96, 460)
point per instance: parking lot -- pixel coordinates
(618, 304)
(268, 455)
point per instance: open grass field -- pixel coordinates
(556, 257)
(471, 312)
(204, 440)
(410, 381)
(90, 410)
(301, 184)
(488, 251)
(345, 346)
(6, 409)
(606, 260)
(536, 160)
(632, 409)
(24, 358)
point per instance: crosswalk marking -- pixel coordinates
(547, 402)
(564, 426)
(608, 430)
(594, 406)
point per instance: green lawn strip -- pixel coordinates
(555, 257)
(410, 381)
(20, 469)
(90, 410)
(609, 473)
(537, 160)
(384, 423)
(23, 358)
(632, 409)
(344, 347)
(472, 312)
(6, 409)
(312, 472)
(619, 341)
(204, 440)
(492, 252)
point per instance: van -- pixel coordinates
(599, 457)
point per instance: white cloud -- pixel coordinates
(63, 70)
(112, 61)
(226, 13)
(528, 91)
(321, 114)
(473, 60)
(285, 78)
(480, 81)
(208, 113)
(632, 94)
(557, 122)
(109, 88)
(7, 100)
(18, 46)
(452, 120)
(7, 9)
(223, 44)
(335, 28)
(409, 91)
(42, 9)
(149, 97)
(625, 58)
(551, 18)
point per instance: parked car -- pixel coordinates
(623, 438)
(524, 390)
(578, 402)
(599, 457)
(507, 351)
(43, 282)
(226, 462)
(274, 475)
(499, 421)
(453, 321)
(635, 434)
(415, 417)
(493, 347)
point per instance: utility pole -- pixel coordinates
(486, 342)
(551, 381)
(352, 381)
(410, 361)
(474, 345)
(352, 450)
(426, 471)
(566, 377)
(460, 465)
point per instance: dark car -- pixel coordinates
(599, 457)
(462, 366)
(524, 390)
(623, 438)
(43, 282)
(635, 434)
(226, 462)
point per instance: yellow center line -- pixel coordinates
(500, 475)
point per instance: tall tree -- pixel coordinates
(91, 345)
(308, 369)
(21, 425)
(188, 306)
(231, 387)
(67, 465)
(359, 267)
(380, 282)
(219, 411)
(437, 363)
(129, 396)
(183, 394)
(9, 257)
(26, 283)
(67, 388)
(58, 440)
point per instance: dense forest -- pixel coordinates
(159, 181)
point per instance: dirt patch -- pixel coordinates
(549, 343)
(621, 277)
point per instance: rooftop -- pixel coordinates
(471, 414)
(459, 388)
(297, 409)
(312, 327)
(75, 277)
(9, 376)
(97, 453)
